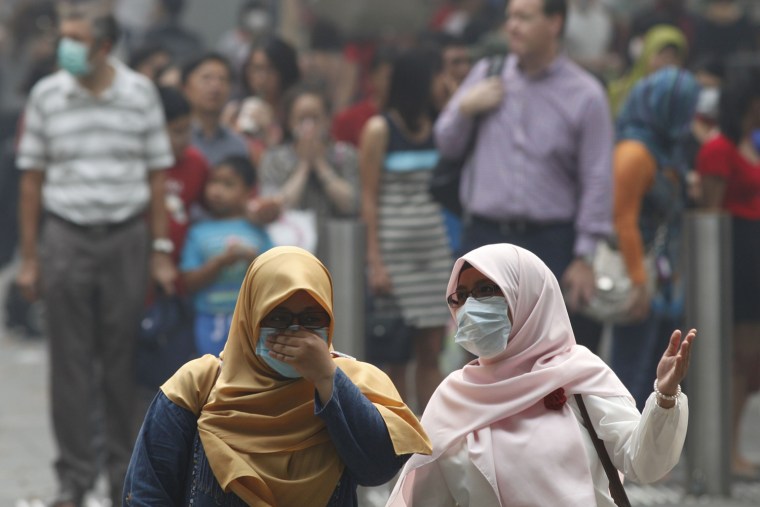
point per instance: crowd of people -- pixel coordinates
(150, 169)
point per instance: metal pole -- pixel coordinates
(709, 309)
(344, 246)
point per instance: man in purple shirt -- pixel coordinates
(540, 175)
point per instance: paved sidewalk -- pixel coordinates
(27, 448)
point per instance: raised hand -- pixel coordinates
(674, 363)
(264, 210)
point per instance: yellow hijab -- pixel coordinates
(258, 429)
(655, 40)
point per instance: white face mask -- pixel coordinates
(709, 103)
(257, 21)
(483, 326)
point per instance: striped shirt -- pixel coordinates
(96, 151)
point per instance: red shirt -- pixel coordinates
(360, 54)
(720, 157)
(348, 124)
(184, 188)
(441, 16)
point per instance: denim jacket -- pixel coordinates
(169, 465)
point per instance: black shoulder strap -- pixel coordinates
(494, 68)
(495, 65)
(616, 487)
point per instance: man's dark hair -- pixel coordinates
(552, 7)
(174, 102)
(243, 167)
(106, 29)
(145, 53)
(736, 101)
(193, 65)
(557, 8)
(173, 8)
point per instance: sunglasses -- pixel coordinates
(283, 319)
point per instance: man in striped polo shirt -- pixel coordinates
(92, 152)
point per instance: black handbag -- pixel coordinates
(388, 336)
(447, 174)
(444, 185)
(165, 341)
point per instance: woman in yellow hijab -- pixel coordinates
(280, 418)
(663, 45)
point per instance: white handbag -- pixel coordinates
(613, 286)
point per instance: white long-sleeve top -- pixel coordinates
(644, 447)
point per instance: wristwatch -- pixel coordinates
(163, 245)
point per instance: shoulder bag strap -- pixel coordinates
(616, 487)
(495, 68)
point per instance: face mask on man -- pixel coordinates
(281, 367)
(257, 21)
(73, 57)
(483, 326)
(708, 103)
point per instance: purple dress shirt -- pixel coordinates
(544, 155)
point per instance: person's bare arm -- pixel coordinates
(30, 212)
(262, 211)
(372, 148)
(158, 220)
(292, 191)
(204, 276)
(338, 190)
(162, 268)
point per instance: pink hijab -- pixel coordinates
(529, 454)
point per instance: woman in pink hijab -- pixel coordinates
(506, 429)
